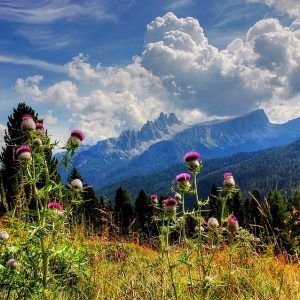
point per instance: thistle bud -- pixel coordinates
(232, 224)
(213, 223)
(37, 142)
(27, 123)
(177, 196)
(154, 199)
(75, 139)
(170, 205)
(183, 182)
(40, 128)
(228, 180)
(76, 184)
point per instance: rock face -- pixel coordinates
(162, 143)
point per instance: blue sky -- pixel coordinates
(108, 65)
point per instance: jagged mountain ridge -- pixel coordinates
(275, 168)
(161, 143)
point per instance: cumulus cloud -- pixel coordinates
(291, 7)
(117, 97)
(180, 71)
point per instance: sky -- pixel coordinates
(104, 66)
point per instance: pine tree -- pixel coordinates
(215, 205)
(14, 138)
(124, 210)
(142, 209)
(278, 209)
(235, 206)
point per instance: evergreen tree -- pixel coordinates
(142, 209)
(235, 206)
(124, 210)
(278, 209)
(13, 138)
(215, 205)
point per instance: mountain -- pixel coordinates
(275, 168)
(161, 143)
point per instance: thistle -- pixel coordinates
(24, 153)
(192, 160)
(27, 123)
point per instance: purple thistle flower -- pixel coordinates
(228, 180)
(169, 202)
(227, 174)
(78, 134)
(232, 224)
(54, 205)
(26, 117)
(192, 155)
(23, 148)
(39, 126)
(183, 177)
(153, 197)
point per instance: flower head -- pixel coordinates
(26, 117)
(153, 197)
(55, 205)
(169, 201)
(76, 184)
(39, 126)
(228, 180)
(213, 223)
(232, 224)
(192, 155)
(227, 174)
(78, 134)
(183, 177)
(23, 148)
(4, 235)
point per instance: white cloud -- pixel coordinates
(228, 82)
(291, 7)
(48, 11)
(32, 62)
(49, 119)
(179, 71)
(2, 131)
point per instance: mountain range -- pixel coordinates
(161, 143)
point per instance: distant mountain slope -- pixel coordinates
(266, 169)
(161, 143)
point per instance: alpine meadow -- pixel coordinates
(150, 150)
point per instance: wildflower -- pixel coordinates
(24, 153)
(75, 139)
(37, 142)
(12, 263)
(232, 224)
(55, 205)
(40, 128)
(4, 235)
(192, 160)
(27, 123)
(183, 180)
(213, 223)
(228, 180)
(154, 199)
(170, 205)
(76, 184)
